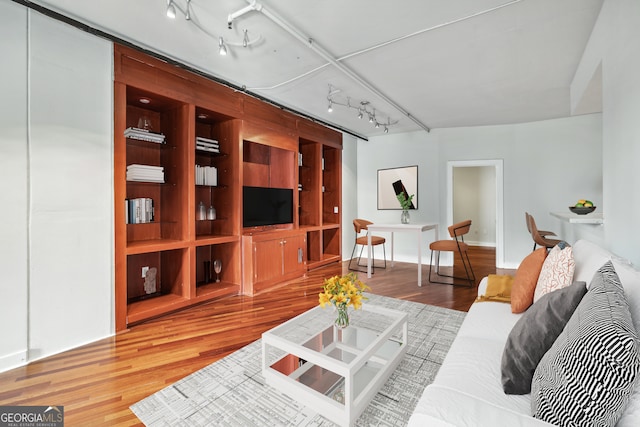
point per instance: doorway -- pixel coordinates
(489, 176)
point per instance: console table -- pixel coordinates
(417, 229)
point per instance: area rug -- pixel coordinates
(232, 391)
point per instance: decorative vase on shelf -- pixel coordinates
(404, 217)
(202, 212)
(342, 321)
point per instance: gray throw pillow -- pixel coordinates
(588, 375)
(533, 335)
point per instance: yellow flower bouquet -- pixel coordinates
(342, 292)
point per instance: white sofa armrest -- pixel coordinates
(482, 286)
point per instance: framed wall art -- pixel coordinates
(392, 182)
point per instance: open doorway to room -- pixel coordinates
(475, 191)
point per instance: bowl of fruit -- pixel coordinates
(583, 207)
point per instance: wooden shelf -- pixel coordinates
(326, 259)
(259, 146)
(217, 290)
(145, 246)
(134, 142)
(147, 309)
(327, 226)
(215, 239)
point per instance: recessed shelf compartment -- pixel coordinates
(215, 265)
(154, 274)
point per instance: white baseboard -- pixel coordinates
(510, 266)
(484, 244)
(13, 360)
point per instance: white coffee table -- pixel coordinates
(335, 372)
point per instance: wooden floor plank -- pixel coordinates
(97, 383)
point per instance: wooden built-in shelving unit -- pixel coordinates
(259, 145)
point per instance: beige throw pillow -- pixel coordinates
(557, 271)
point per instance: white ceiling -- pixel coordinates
(447, 63)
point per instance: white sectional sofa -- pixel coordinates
(468, 391)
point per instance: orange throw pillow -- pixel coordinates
(525, 280)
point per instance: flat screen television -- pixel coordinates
(266, 206)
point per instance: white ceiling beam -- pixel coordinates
(282, 23)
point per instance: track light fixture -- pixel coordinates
(363, 107)
(187, 14)
(222, 49)
(174, 6)
(171, 9)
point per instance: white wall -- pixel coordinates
(58, 233)
(621, 125)
(547, 165)
(349, 193)
(397, 150)
(13, 185)
(611, 62)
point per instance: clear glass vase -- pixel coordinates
(342, 321)
(404, 217)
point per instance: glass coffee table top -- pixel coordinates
(308, 354)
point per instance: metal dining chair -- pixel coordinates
(360, 225)
(457, 244)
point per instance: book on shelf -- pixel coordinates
(145, 173)
(207, 141)
(139, 210)
(137, 166)
(144, 135)
(206, 175)
(206, 144)
(208, 149)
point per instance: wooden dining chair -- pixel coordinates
(542, 233)
(537, 236)
(457, 244)
(360, 225)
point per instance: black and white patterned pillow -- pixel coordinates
(534, 334)
(588, 375)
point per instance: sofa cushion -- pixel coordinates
(589, 257)
(472, 366)
(442, 406)
(557, 271)
(525, 280)
(630, 278)
(533, 335)
(589, 374)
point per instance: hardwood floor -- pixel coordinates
(97, 383)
